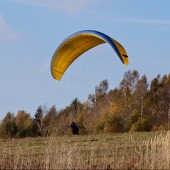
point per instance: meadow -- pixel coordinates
(149, 150)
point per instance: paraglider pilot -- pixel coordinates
(74, 128)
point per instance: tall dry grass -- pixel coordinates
(86, 152)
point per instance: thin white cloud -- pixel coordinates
(6, 33)
(70, 6)
(141, 21)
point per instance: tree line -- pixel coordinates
(135, 105)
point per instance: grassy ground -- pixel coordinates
(105, 151)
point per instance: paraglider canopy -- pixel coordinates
(78, 43)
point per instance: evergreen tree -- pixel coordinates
(38, 117)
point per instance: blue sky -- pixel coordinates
(31, 30)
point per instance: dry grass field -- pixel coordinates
(105, 151)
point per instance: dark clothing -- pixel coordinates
(74, 128)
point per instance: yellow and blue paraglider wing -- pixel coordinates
(76, 44)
